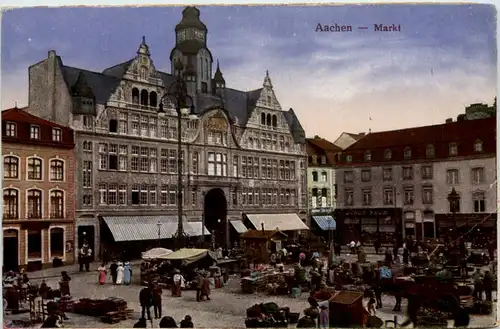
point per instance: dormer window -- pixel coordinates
(348, 158)
(314, 159)
(407, 153)
(56, 135)
(34, 132)
(368, 156)
(10, 129)
(387, 154)
(430, 151)
(323, 159)
(478, 146)
(453, 149)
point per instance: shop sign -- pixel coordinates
(410, 225)
(367, 212)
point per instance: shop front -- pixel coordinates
(474, 228)
(368, 225)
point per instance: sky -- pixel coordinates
(443, 58)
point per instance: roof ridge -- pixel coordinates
(116, 65)
(89, 71)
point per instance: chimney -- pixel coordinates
(262, 224)
(317, 137)
(449, 120)
(461, 117)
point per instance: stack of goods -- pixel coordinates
(110, 310)
(269, 315)
(66, 304)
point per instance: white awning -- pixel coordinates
(196, 229)
(283, 222)
(238, 226)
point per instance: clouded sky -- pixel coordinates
(443, 59)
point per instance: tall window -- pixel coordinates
(217, 138)
(56, 135)
(387, 174)
(324, 176)
(408, 195)
(452, 176)
(10, 167)
(388, 196)
(478, 146)
(164, 195)
(34, 204)
(407, 153)
(123, 123)
(478, 175)
(34, 132)
(235, 166)
(315, 176)
(152, 194)
(10, 129)
(135, 96)
(453, 149)
(56, 204)
(407, 173)
(34, 168)
(427, 172)
(10, 204)
(103, 194)
(87, 174)
(143, 194)
(427, 194)
(430, 151)
(113, 194)
(366, 175)
(194, 163)
(56, 170)
(348, 176)
(367, 197)
(479, 202)
(122, 194)
(217, 164)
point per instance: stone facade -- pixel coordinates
(241, 143)
(37, 179)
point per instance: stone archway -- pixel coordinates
(215, 212)
(10, 250)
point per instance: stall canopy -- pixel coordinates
(325, 223)
(239, 226)
(282, 222)
(156, 253)
(191, 255)
(139, 228)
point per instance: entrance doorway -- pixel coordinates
(216, 215)
(10, 250)
(86, 233)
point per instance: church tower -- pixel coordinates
(191, 49)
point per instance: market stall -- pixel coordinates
(156, 253)
(155, 265)
(258, 244)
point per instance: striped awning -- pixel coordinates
(325, 223)
(282, 222)
(238, 226)
(139, 228)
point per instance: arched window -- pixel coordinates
(153, 99)
(262, 118)
(144, 97)
(275, 121)
(479, 201)
(430, 151)
(407, 153)
(135, 96)
(34, 168)
(56, 242)
(387, 154)
(268, 119)
(56, 204)
(478, 146)
(10, 204)
(34, 203)
(368, 156)
(56, 170)
(10, 167)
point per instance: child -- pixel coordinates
(324, 321)
(187, 323)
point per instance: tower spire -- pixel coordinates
(267, 81)
(143, 48)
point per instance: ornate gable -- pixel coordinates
(267, 98)
(142, 68)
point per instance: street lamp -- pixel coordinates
(159, 232)
(177, 94)
(454, 200)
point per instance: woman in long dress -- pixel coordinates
(119, 273)
(178, 284)
(64, 284)
(127, 273)
(102, 273)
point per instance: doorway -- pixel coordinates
(10, 250)
(215, 211)
(86, 233)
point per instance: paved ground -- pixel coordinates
(226, 309)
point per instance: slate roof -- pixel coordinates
(102, 85)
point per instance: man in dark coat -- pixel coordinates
(146, 301)
(157, 301)
(113, 269)
(376, 245)
(488, 285)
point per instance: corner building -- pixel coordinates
(395, 184)
(242, 154)
(38, 191)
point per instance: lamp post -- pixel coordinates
(177, 94)
(454, 200)
(159, 232)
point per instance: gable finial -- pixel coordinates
(217, 64)
(267, 81)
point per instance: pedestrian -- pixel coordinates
(127, 273)
(179, 283)
(488, 285)
(64, 284)
(199, 285)
(157, 300)
(102, 273)
(113, 269)
(168, 322)
(141, 323)
(119, 273)
(376, 245)
(88, 257)
(412, 310)
(352, 246)
(82, 256)
(205, 288)
(477, 278)
(337, 249)
(146, 300)
(406, 255)
(324, 321)
(187, 322)
(273, 259)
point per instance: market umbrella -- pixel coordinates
(156, 253)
